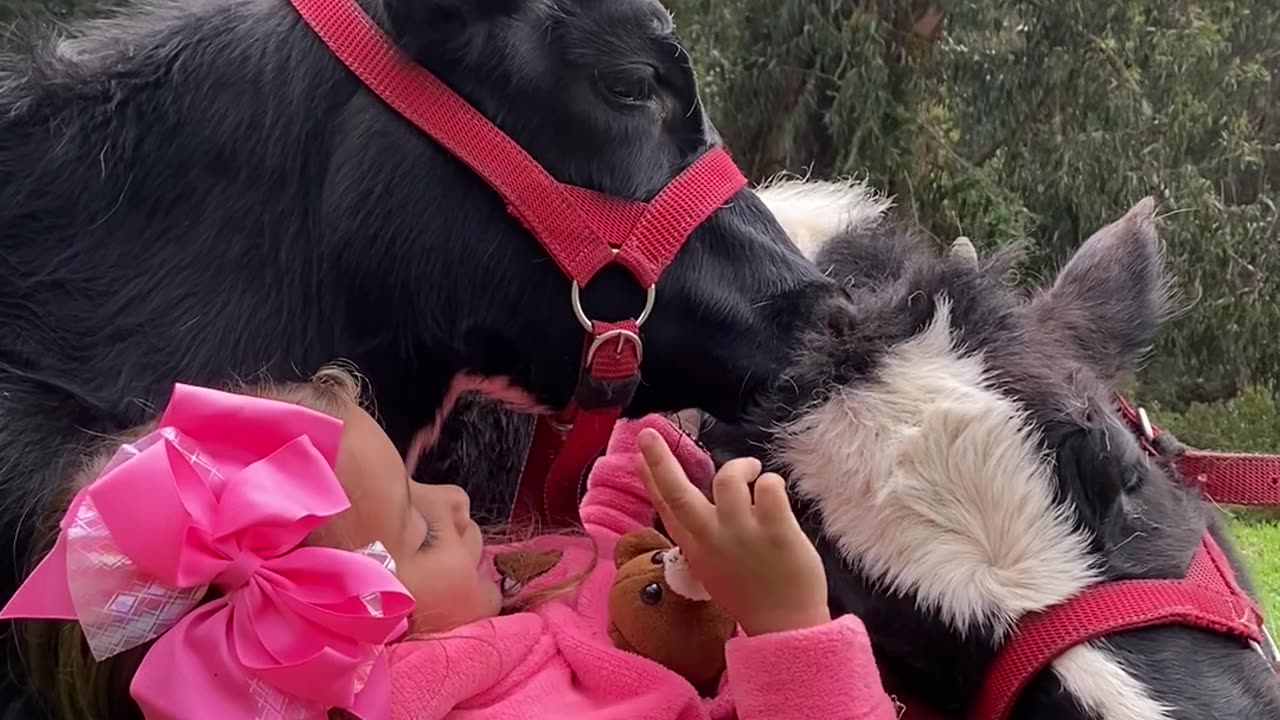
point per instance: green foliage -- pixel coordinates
(1035, 120)
(1248, 423)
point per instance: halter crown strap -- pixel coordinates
(582, 230)
(1242, 479)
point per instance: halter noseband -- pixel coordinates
(582, 230)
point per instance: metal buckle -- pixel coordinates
(1148, 432)
(623, 337)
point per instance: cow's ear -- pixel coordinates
(1110, 299)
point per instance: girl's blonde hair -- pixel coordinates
(57, 658)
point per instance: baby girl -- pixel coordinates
(262, 554)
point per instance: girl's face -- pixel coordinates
(428, 529)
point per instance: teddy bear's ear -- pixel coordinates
(524, 566)
(637, 543)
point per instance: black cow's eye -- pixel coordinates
(629, 86)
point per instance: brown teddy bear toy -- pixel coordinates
(659, 611)
(656, 608)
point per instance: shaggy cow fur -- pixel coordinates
(957, 458)
(197, 190)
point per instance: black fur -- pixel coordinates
(1060, 355)
(198, 190)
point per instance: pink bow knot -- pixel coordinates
(221, 497)
(238, 572)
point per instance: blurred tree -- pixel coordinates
(1009, 120)
(1036, 120)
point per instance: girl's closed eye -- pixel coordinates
(431, 535)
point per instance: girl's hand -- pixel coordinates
(749, 553)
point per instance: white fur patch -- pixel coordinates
(812, 212)
(931, 482)
(1103, 687)
(675, 569)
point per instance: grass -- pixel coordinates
(1258, 539)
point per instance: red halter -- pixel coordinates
(582, 230)
(1207, 597)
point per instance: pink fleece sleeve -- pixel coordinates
(616, 502)
(823, 672)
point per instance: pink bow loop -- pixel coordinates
(218, 499)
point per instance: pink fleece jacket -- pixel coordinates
(558, 663)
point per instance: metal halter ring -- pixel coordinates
(575, 300)
(623, 337)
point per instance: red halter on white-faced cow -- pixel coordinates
(582, 230)
(1207, 597)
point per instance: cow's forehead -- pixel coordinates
(930, 480)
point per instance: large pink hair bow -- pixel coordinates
(221, 496)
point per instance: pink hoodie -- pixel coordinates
(557, 662)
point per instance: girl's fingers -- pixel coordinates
(731, 487)
(678, 534)
(773, 508)
(671, 488)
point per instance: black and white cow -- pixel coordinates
(954, 450)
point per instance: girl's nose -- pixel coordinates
(459, 504)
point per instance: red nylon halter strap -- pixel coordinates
(582, 230)
(1208, 598)
(1227, 478)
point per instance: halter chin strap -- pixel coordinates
(582, 230)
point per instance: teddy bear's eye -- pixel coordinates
(651, 594)
(656, 557)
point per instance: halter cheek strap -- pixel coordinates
(582, 230)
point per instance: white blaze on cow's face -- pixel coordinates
(933, 483)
